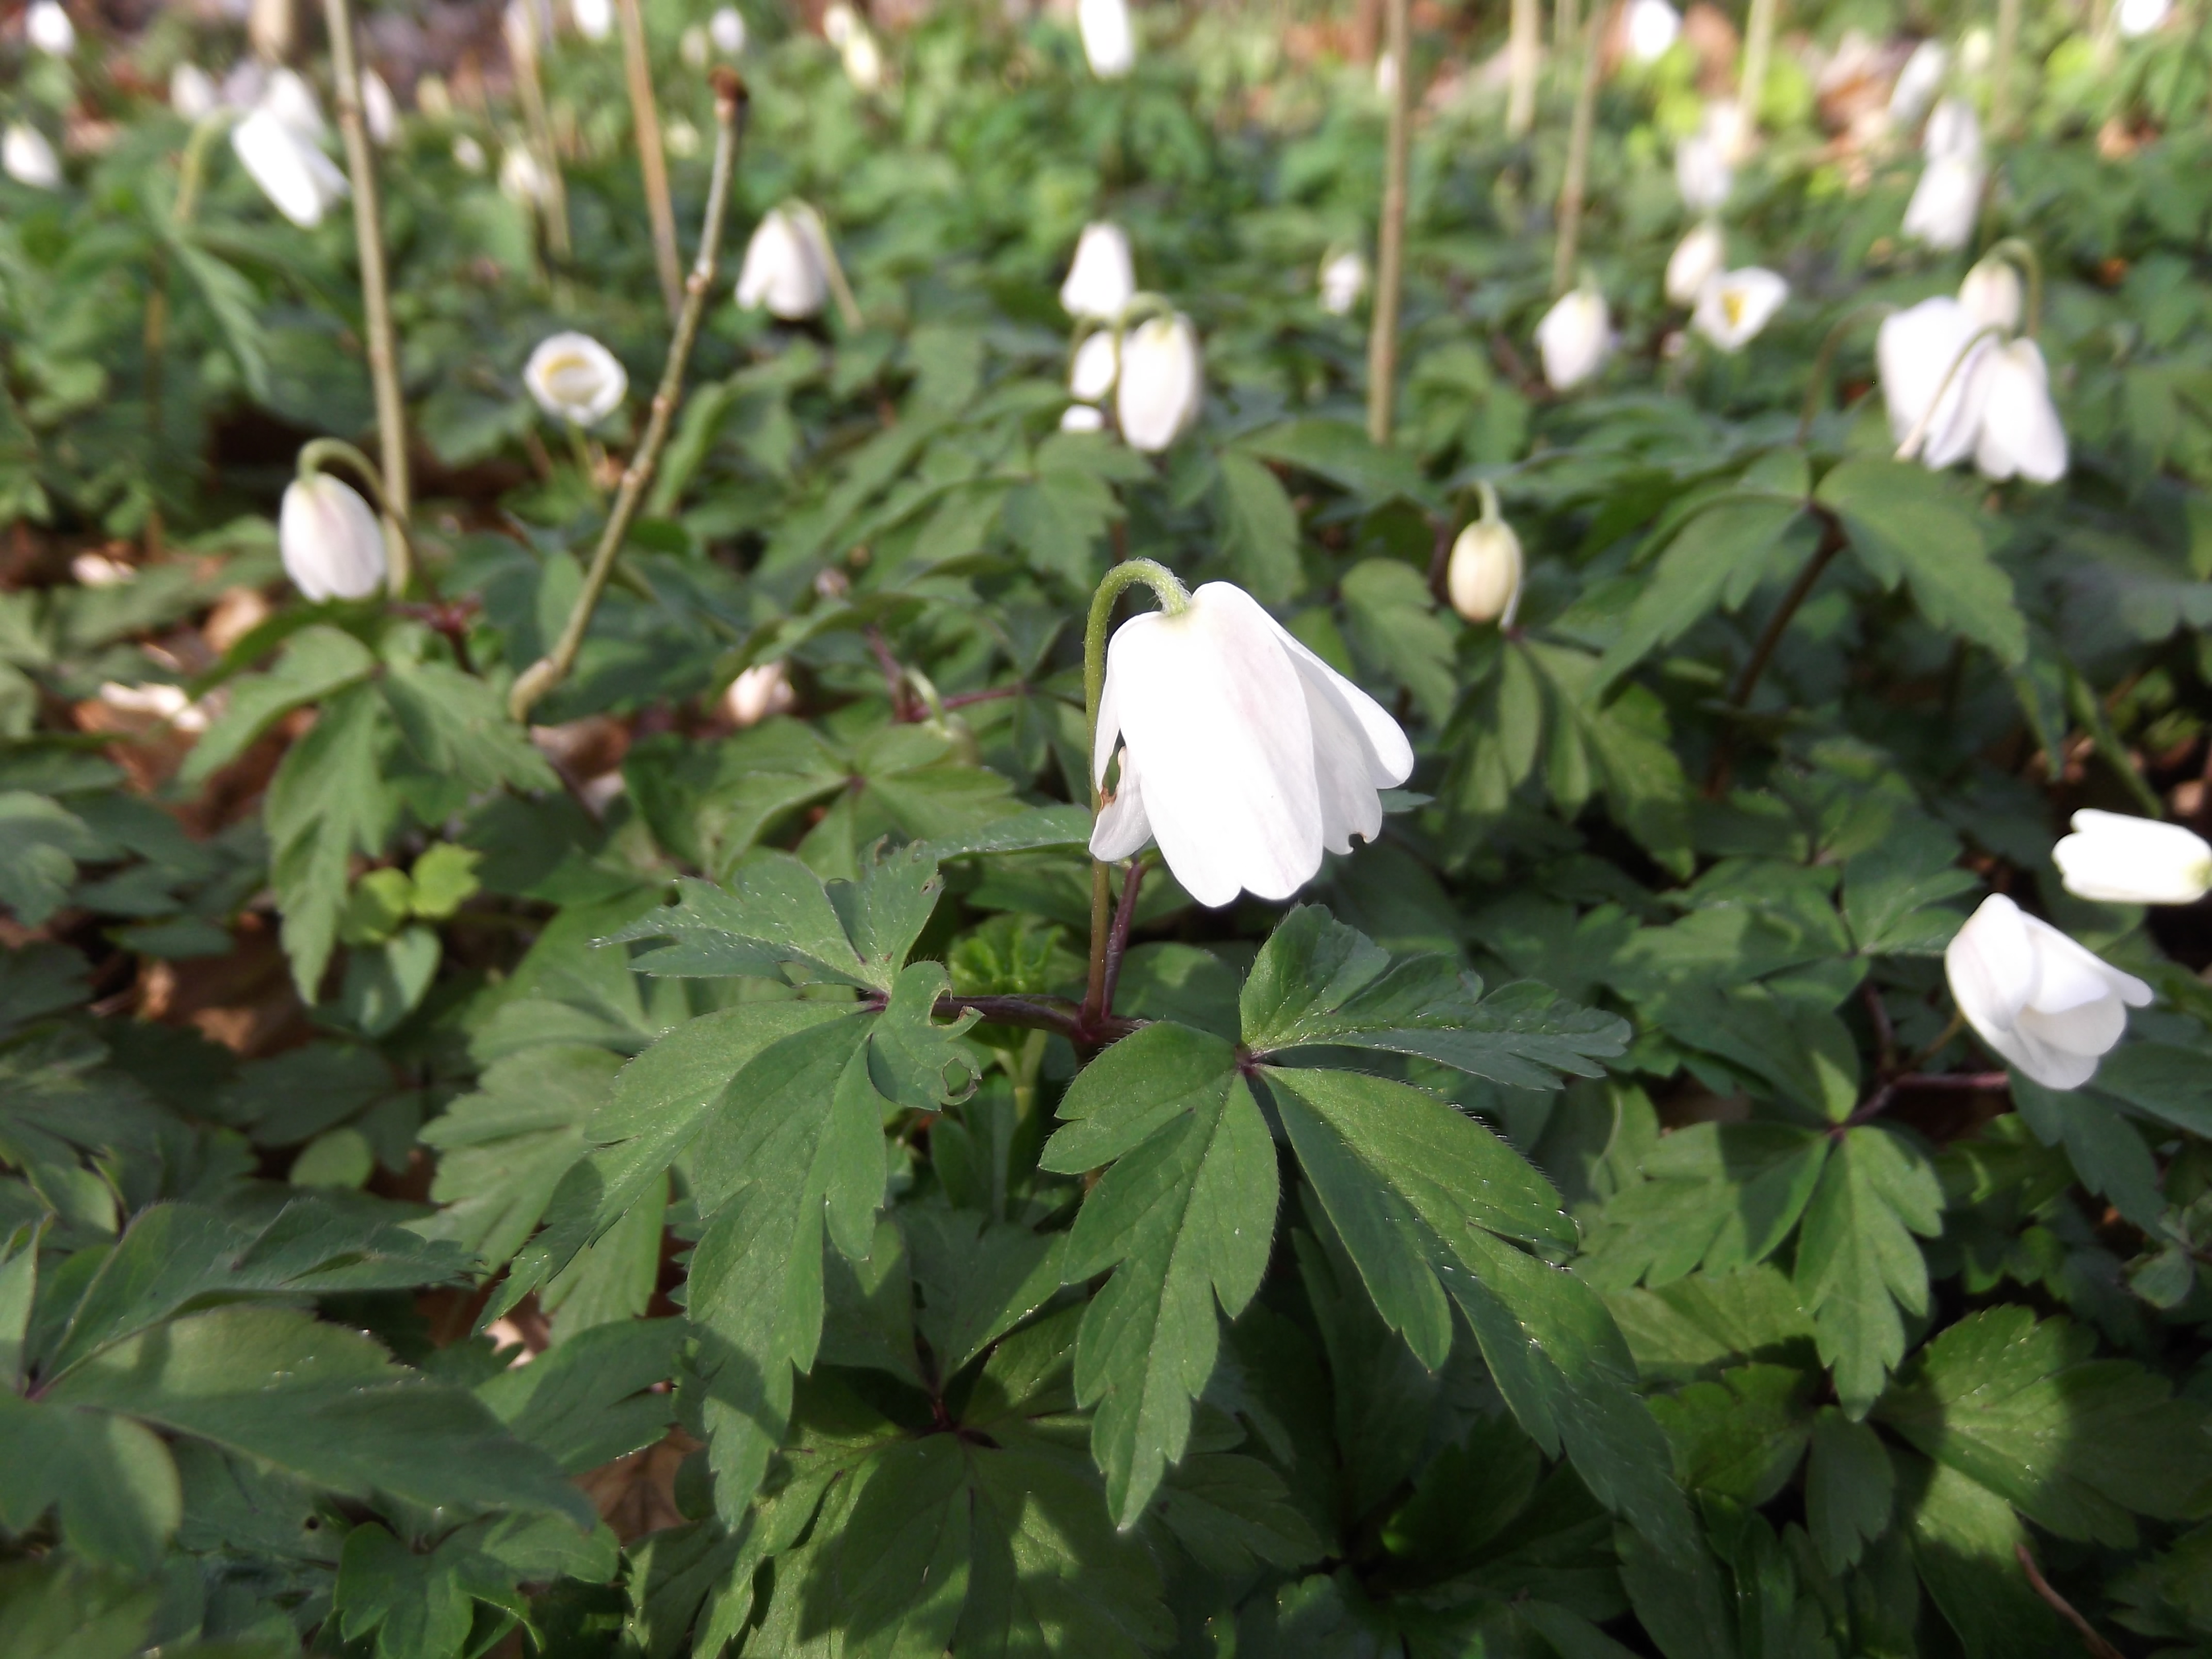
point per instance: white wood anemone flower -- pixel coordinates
(2020, 433)
(727, 29)
(594, 19)
(1102, 278)
(1483, 576)
(48, 29)
(787, 267)
(1914, 350)
(328, 536)
(1733, 308)
(1945, 203)
(1243, 754)
(1091, 376)
(2050, 1007)
(1992, 295)
(1918, 83)
(2114, 858)
(300, 181)
(1109, 38)
(1574, 338)
(1343, 280)
(193, 92)
(29, 159)
(380, 110)
(1697, 259)
(575, 378)
(1161, 384)
(1653, 27)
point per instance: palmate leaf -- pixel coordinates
(327, 802)
(1857, 1261)
(1719, 1195)
(317, 662)
(1907, 523)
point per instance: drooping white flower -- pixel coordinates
(864, 61)
(1697, 259)
(1090, 376)
(1574, 338)
(575, 378)
(380, 110)
(468, 155)
(1243, 755)
(727, 29)
(1483, 576)
(2021, 433)
(1992, 294)
(289, 97)
(28, 158)
(787, 267)
(1653, 26)
(193, 92)
(2136, 18)
(520, 178)
(1733, 308)
(594, 19)
(1110, 38)
(1945, 203)
(1343, 280)
(332, 544)
(1916, 351)
(1952, 129)
(48, 29)
(300, 181)
(2048, 1006)
(763, 690)
(1918, 83)
(1161, 384)
(2118, 859)
(1703, 173)
(1102, 278)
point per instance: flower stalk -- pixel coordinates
(2001, 68)
(1758, 53)
(1823, 360)
(1918, 435)
(376, 293)
(530, 86)
(1573, 185)
(541, 675)
(652, 159)
(1390, 276)
(1524, 50)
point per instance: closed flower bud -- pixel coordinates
(1109, 40)
(594, 19)
(300, 181)
(48, 29)
(2048, 1006)
(1484, 576)
(575, 378)
(1102, 278)
(28, 158)
(1343, 280)
(727, 29)
(761, 691)
(1918, 83)
(332, 544)
(380, 110)
(2021, 433)
(1091, 376)
(864, 61)
(193, 92)
(1733, 308)
(787, 267)
(2118, 859)
(1697, 259)
(1082, 417)
(1243, 754)
(1161, 385)
(1574, 338)
(468, 155)
(1945, 203)
(1992, 294)
(1952, 129)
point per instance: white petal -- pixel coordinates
(2020, 430)
(1122, 828)
(1102, 277)
(2117, 859)
(1091, 377)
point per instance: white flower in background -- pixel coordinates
(1160, 385)
(1918, 83)
(380, 110)
(1698, 259)
(1952, 129)
(575, 378)
(520, 178)
(1977, 46)
(2048, 1006)
(1915, 351)
(332, 544)
(98, 570)
(680, 139)
(1243, 755)
(434, 97)
(1733, 308)
(763, 690)
(1653, 27)
(1484, 576)
(787, 267)
(1945, 203)
(864, 61)
(2021, 433)
(594, 19)
(193, 92)
(839, 23)
(1101, 279)
(1109, 40)
(693, 48)
(293, 101)
(300, 181)
(1386, 74)
(1343, 280)
(1992, 294)
(2137, 18)
(2118, 859)
(468, 155)
(727, 29)
(29, 159)
(1091, 376)
(1574, 338)
(48, 29)
(1702, 174)
(1082, 417)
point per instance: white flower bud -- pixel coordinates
(594, 19)
(193, 92)
(1161, 384)
(840, 22)
(1574, 338)
(1952, 129)
(2045, 1003)
(1102, 278)
(1109, 40)
(1082, 417)
(380, 110)
(1653, 27)
(864, 60)
(1697, 259)
(1484, 576)
(520, 179)
(1091, 376)
(761, 691)
(29, 159)
(1945, 203)
(468, 155)
(332, 546)
(48, 29)
(787, 267)
(2136, 18)
(1343, 280)
(98, 570)
(1992, 294)
(575, 378)
(2118, 859)
(1918, 83)
(300, 181)
(1734, 307)
(727, 28)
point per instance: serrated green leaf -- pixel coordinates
(587, 1399)
(317, 662)
(1857, 1261)
(1260, 528)
(1850, 1489)
(326, 803)
(1724, 547)
(112, 1478)
(1904, 521)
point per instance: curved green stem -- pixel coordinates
(1825, 359)
(2022, 253)
(840, 291)
(1918, 435)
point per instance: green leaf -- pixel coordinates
(1893, 889)
(1260, 528)
(1393, 622)
(457, 728)
(416, 1604)
(120, 1501)
(69, 1610)
(326, 803)
(1719, 1195)
(1234, 1514)
(234, 301)
(1904, 521)
(1857, 1261)
(1742, 1436)
(318, 662)
(41, 842)
(1725, 548)
(586, 1400)
(1850, 1489)
(1967, 1542)
(1341, 452)
(978, 1278)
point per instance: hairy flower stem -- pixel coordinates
(1125, 917)
(1833, 542)
(550, 670)
(376, 293)
(652, 159)
(1571, 187)
(1174, 599)
(1390, 241)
